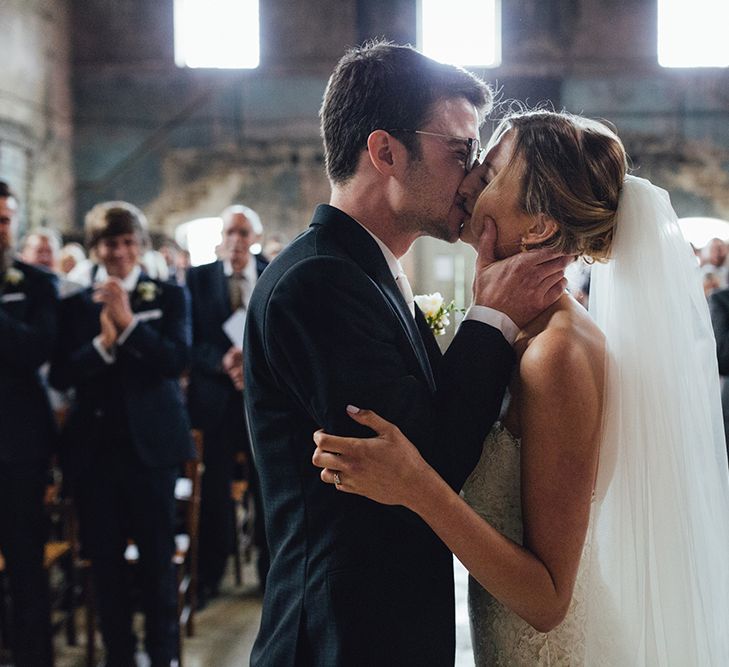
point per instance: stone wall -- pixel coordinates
(36, 110)
(185, 143)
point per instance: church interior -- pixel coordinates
(100, 101)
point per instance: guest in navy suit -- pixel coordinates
(215, 395)
(28, 308)
(124, 343)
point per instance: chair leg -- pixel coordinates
(69, 599)
(90, 619)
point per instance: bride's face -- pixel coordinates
(493, 189)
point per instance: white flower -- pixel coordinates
(14, 276)
(147, 290)
(436, 311)
(430, 304)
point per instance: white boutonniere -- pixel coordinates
(147, 291)
(436, 311)
(14, 277)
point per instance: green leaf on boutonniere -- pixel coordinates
(436, 311)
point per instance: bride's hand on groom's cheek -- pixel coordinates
(386, 468)
(520, 286)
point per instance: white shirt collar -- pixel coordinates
(129, 283)
(250, 272)
(392, 262)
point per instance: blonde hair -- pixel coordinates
(572, 169)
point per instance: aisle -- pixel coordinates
(464, 654)
(227, 627)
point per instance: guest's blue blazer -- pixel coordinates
(141, 391)
(28, 324)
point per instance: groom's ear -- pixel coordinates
(543, 229)
(385, 151)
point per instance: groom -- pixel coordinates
(331, 322)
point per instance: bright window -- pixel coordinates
(217, 33)
(461, 32)
(693, 34)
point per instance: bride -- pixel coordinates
(596, 524)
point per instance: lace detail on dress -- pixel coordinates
(499, 636)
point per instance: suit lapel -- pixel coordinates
(365, 252)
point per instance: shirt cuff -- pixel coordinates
(107, 355)
(496, 319)
(122, 337)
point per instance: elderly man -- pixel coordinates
(220, 292)
(41, 247)
(27, 335)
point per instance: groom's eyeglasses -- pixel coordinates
(474, 152)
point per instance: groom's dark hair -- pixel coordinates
(386, 86)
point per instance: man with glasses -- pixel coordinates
(331, 323)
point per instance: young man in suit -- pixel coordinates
(215, 393)
(28, 306)
(332, 323)
(124, 342)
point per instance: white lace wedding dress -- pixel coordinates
(499, 636)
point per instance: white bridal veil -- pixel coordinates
(659, 574)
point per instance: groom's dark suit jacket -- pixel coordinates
(353, 582)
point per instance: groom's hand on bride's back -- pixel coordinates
(520, 286)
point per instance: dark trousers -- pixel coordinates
(23, 530)
(216, 506)
(120, 498)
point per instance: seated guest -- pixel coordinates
(219, 291)
(124, 342)
(27, 333)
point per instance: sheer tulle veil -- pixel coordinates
(659, 572)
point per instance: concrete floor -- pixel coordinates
(226, 629)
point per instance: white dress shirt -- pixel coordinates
(490, 316)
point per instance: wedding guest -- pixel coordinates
(719, 309)
(71, 254)
(220, 292)
(41, 247)
(714, 262)
(176, 260)
(124, 343)
(28, 307)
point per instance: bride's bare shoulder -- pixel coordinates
(563, 344)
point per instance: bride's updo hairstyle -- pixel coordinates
(572, 170)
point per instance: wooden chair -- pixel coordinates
(59, 562)
(187, 492)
